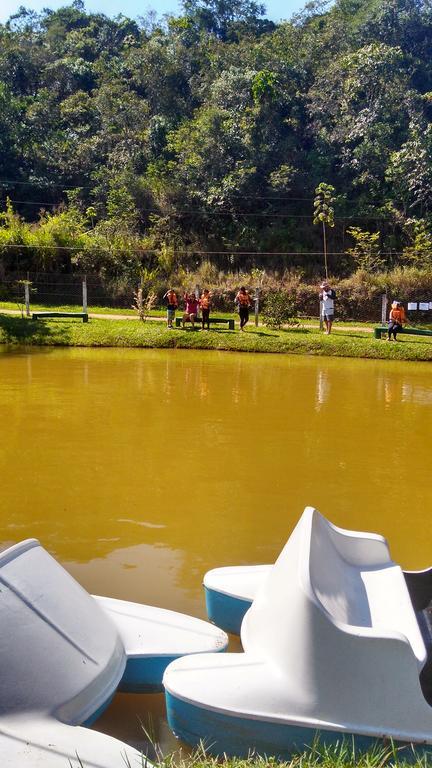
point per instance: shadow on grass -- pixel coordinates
(266, 334)
(417, 342)
(17, 330)
(351, 335)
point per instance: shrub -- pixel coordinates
(279, 310)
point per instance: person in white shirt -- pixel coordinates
(327, 297)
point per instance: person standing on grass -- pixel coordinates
(397, 318)
(327, 297)
(205, 305)
(191, 309)
(244, 302)
(171, 305)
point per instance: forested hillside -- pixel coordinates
(141, 142)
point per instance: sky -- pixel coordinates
(276, 9)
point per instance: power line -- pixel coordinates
(30, 202)
(40, 184)
(184, 252)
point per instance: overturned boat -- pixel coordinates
(63, 654)
(336, 642)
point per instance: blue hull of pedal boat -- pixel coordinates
(221, 734)
(229, 593)
(226, 611)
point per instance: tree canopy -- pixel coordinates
(210, 131)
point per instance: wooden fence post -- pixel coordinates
(84, 294)
(27, 297)
(383, 308)
(256, 299)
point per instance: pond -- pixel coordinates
(141, 469)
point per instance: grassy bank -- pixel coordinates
(122, 333)
(342, 755)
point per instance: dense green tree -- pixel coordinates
(224, 18)
(211, 130)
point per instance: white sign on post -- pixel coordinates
(424, 305)
(412, 305)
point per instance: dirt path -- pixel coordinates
(98, 316)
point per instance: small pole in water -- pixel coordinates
(84, 294)
(27, 297)
(321, 324)
(256, 300)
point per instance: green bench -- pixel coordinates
(413, 331)
(44, 315)
(179, 321)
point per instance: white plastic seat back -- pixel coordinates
(59, 653)
(335, 570)
(314, 621)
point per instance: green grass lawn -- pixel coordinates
(123, 333)
(342, 755)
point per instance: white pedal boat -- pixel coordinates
(63, 654)
(334, 643)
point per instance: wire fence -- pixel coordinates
(56, 290)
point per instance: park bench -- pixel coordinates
(44, 315)
(211, 320)
(413, 331)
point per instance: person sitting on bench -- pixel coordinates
(397, 318)
(191, 309)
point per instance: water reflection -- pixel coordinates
(322, 388)
(404, 390)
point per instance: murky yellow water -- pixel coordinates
(140, 470)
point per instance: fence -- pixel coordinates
(53, 290)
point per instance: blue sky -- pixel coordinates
(276, 9)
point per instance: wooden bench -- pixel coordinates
(413, 331)
(44, 315)
(179, 321)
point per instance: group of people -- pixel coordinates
(193, 304)
(243, 300)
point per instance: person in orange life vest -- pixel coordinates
(191, 308)
(171, 305)
(397, 318)
(243, 301)
(205, 305)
